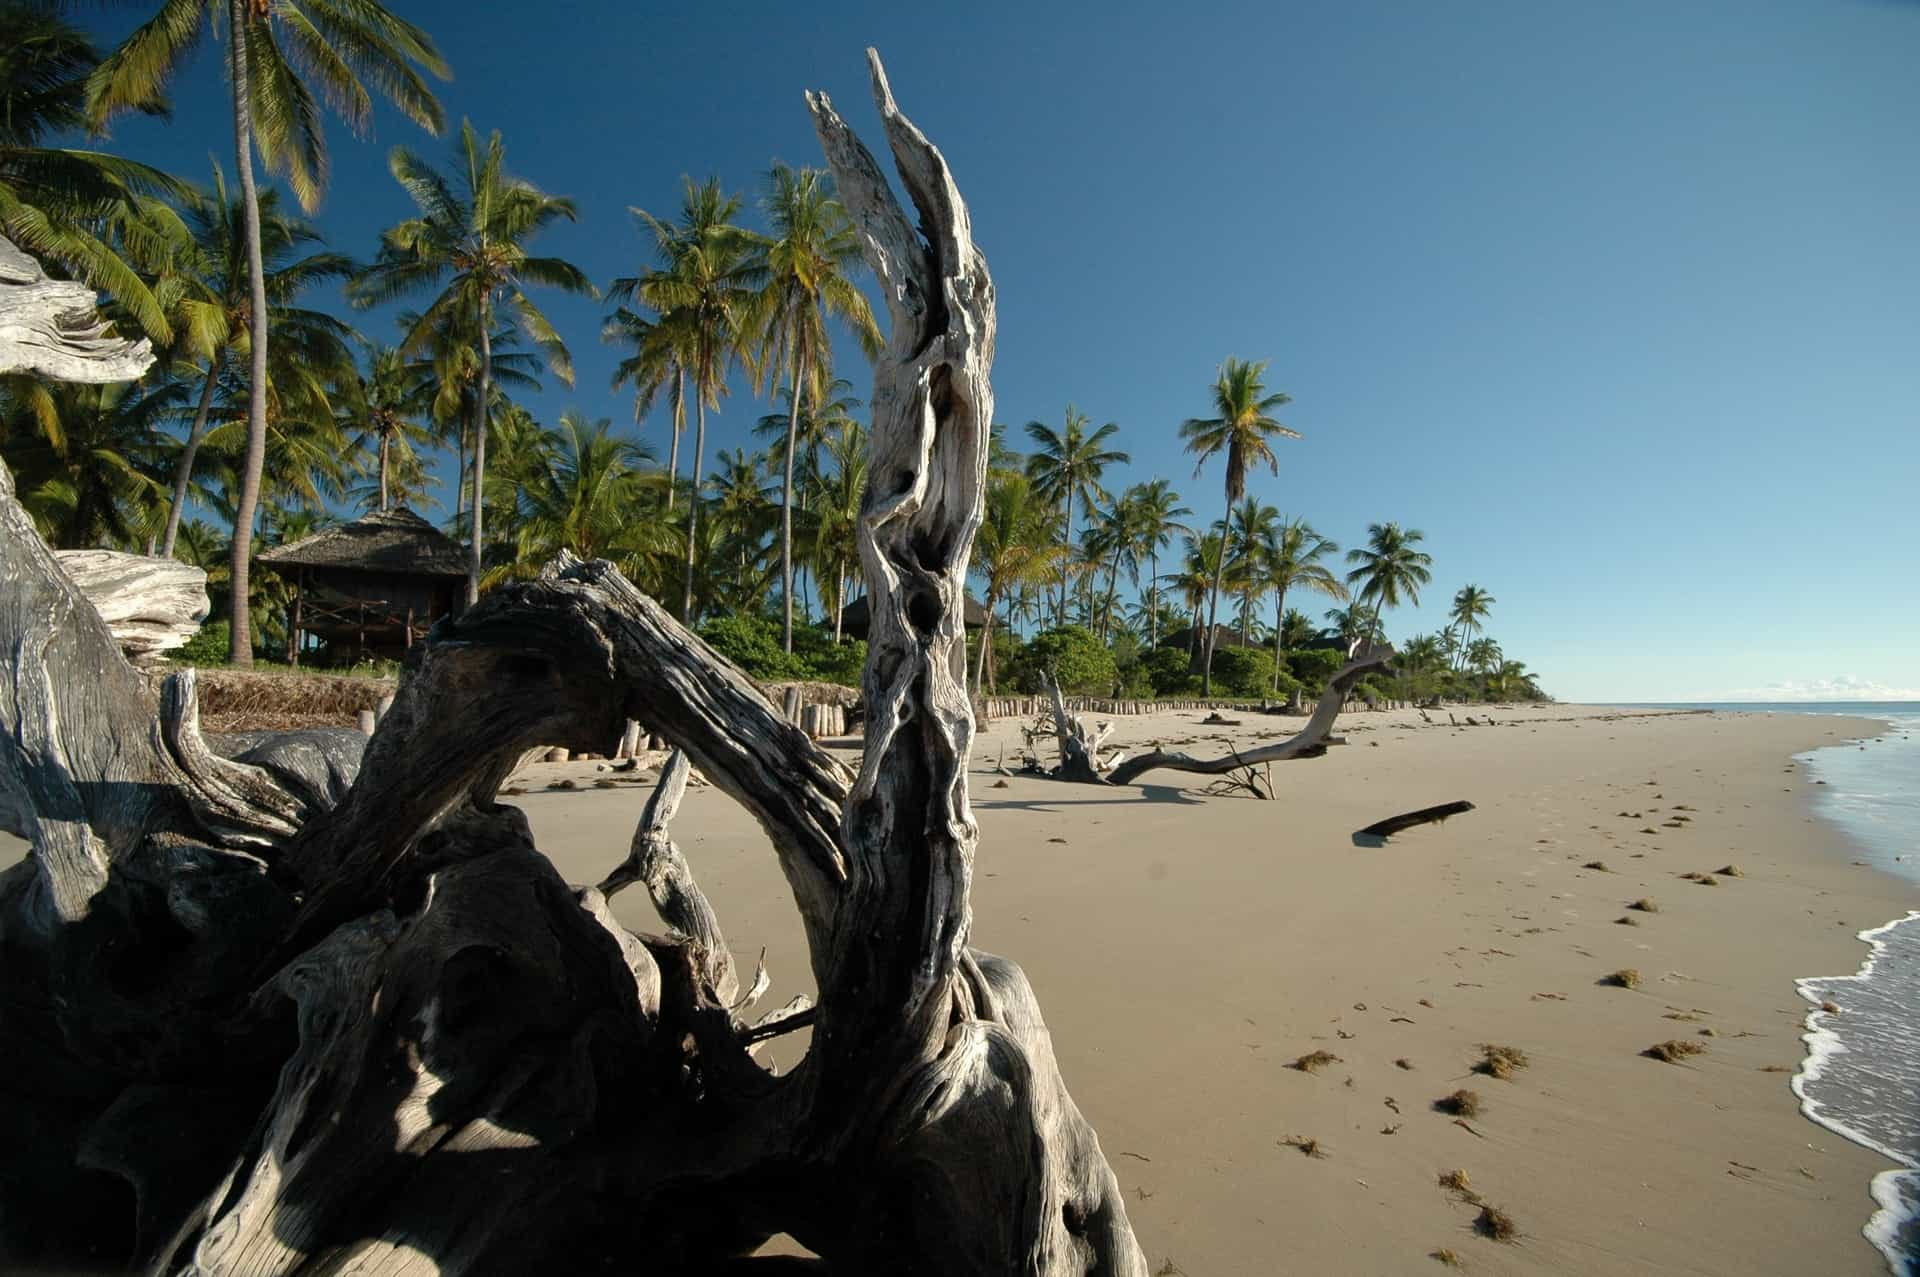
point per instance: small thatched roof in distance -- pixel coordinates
(394, 542)
(854, 619)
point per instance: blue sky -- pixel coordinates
(1616, 302)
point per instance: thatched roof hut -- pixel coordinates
(854, 619)
(371, 586)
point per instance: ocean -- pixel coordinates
(1861, 1074)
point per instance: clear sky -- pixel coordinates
(1619, 302)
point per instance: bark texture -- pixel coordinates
(286, 1008)
(150, 605)
(50, 327)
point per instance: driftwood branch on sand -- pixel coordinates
(256, 1024)
(1080, 745)
(1425, 816)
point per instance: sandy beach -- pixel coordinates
(1187, 949)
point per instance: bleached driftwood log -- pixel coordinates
(50, 327)
(255, 1025)
(1363, 658)
(1080, 745)
(151, 605)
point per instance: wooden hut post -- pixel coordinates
(293, 639)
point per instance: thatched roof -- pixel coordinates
(396, 542)
(853, 617)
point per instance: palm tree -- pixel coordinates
(664, 351)
(1249, 526)
(1289, 557)
(1471, 606)
(472, 236)
(838, 497)
(1068, 463)
(1390, 567)
(388, 400)
(1157, 514)
(93, 213)
(1484, 656)
(338, 44)
(703, 289)
(580, 495)
(219, 284)
(810, 258)
(1198, 577)
(1353, 622)
(1242, 429)
(85, 456)
(1013, 547)
(1113, 536)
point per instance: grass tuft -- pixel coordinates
(1675, 1051)
(1456, 1180)
(1624, 978)
(1496, 1223)
(1500, 1062)
(1314, 1061)
(1460, 1104)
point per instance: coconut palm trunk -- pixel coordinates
(839, 596)
(183, 475)
(1279, 632)
(386, 452)
(1066, 574)
(240, 640)
(1213, 621)
(986, 645)
(1153, 598)
(786, 497)
(474, 543)
(693, 495)
(679, 424)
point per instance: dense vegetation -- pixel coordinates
(268, 415)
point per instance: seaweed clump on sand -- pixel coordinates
(1500, 1062)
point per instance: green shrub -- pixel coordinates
(1170, 671)
(208, 647)
(1242, 671)
(1080, 662)
(1284, 685)
(1313, 667)
(753, 643)
(829, 662)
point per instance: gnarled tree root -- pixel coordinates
(257, 1025)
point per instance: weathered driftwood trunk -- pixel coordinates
(151, 605)
(1080, 745)
(282, 1014)
(49, 327)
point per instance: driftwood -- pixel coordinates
(277, 1013)
(1425, 816)
(1080, 746)
(151, 605)
(51, 328)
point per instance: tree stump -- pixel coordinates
(261, 1023)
